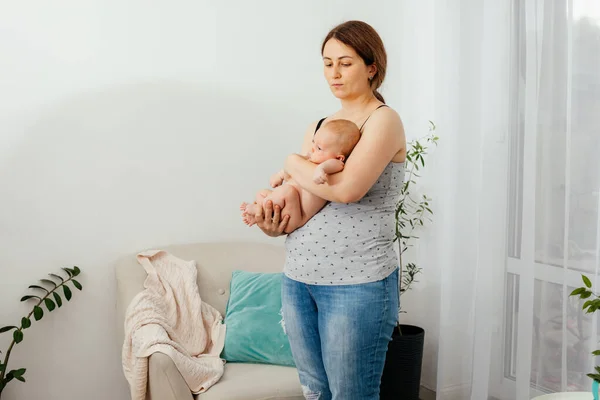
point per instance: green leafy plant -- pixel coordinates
(50, 298)
(590, 306)
(412, 211)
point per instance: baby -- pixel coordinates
(332, 144)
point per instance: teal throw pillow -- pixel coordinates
(255, 332)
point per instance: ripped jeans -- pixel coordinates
(339, 335)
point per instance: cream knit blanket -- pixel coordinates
(170, 317)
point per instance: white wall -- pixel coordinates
(417, 85)
(128, 124)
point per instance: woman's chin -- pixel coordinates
(339, 94)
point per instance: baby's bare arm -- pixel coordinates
(326, 168)
(332, 166)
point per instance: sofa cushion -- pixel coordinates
(254, 322)
(255, 382)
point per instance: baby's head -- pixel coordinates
(335, 139)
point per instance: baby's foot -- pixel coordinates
(249, 219)
(248, 211)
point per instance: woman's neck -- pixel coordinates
(357, 106)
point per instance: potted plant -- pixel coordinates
(585, 292)
(50, 298)
(402, 372)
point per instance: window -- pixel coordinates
(555, 105)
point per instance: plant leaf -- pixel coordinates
(38, 313)
(49, 304)
(38, 287)
(595, 377)
(577, 291)
(587, 281)
(77, 284)
(49, 282)
(68, 293)
(68, 271)
(585, 295)
(57, 277)
(596, 352)
(18, 336)
(8, 328)
(18, 374)
(76, 271)
(25, 322)
(57, 299)
(25, 298)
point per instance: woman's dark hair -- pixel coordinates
(368, 45)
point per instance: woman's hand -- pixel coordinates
(269, 221)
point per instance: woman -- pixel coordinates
(340, 284)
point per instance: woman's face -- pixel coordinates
(345, 71)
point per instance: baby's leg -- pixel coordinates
(248, 210)
(287, 197)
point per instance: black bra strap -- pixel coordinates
(323, 119)
(319, 124)
(383, 105)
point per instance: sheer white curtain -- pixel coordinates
(516, 182)
(554, 219)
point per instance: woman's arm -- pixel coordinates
(382, 138)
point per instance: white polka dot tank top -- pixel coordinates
(349, 243)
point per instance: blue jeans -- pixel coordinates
(339, 335)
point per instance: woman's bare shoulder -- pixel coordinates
(385, 125)
(384, 120)
(387, 114)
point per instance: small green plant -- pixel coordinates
(412, 211)
(50, 298)
(590, 306)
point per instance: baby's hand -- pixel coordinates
(320, 177)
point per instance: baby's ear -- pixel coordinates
(341, 157)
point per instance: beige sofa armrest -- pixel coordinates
(164, 380)
(130, 281)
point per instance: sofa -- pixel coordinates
(215, 263)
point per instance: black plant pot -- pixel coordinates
(401, 378)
